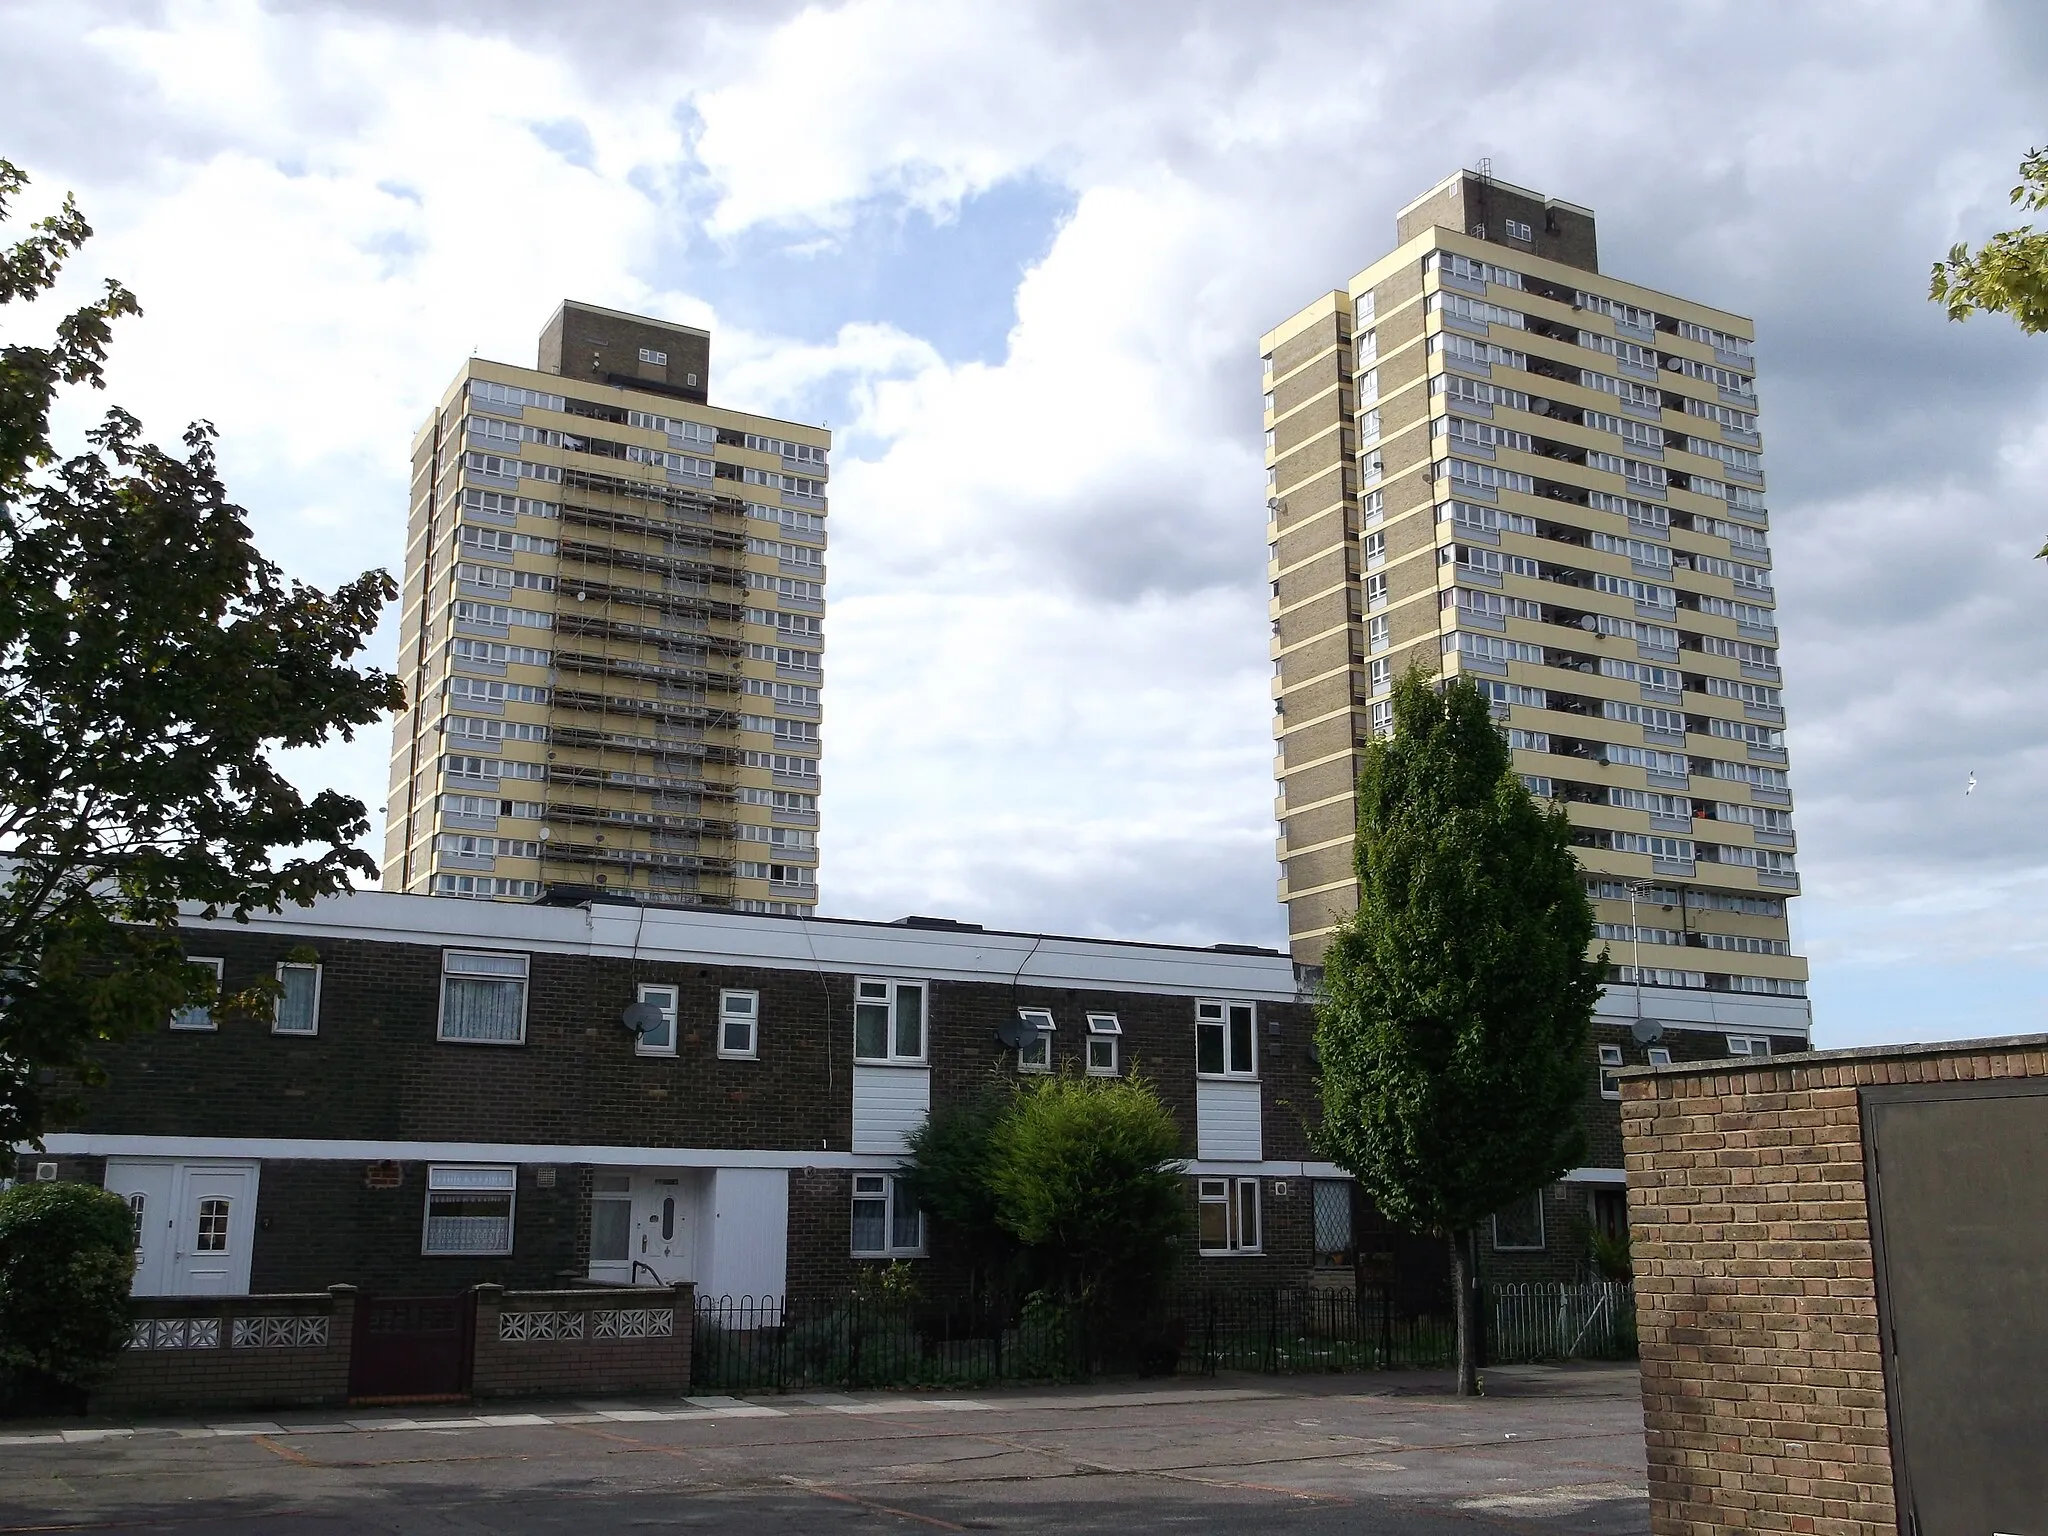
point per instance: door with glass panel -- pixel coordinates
(611, 1227)
(150, 1188)
(663, 1249)
(214, 1228)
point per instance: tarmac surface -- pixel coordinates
(1547, 1450)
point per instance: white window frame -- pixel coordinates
(439, 1182)
(655, 356)
(750, 1015)
(277, 1009)
(1235, 1196)
(886, 1187)
(1104, 1031)
(1610, 1058)
(886, 992)
(667, 999)
(198, 1017)
(1542, 1229)
(1221, 1013)
(524, 978)
(1660, 1055)
(1037, 1056)
(1749, 1045)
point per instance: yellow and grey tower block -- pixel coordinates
(612, 634)
(1486, 456)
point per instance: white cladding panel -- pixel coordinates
(1227, 1124)
(749, 1233)
(888, 1104)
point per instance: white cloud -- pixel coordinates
(1048, 698)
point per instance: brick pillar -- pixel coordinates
(685, 1300)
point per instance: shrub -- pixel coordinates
(1085, 1172)
(67, 1255)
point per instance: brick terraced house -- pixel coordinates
(449, 1092)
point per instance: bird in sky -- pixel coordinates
(1970, 788)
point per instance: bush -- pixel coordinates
(1085, 1172)
(67, 1256)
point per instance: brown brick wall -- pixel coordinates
(1298, 348)
(592, 1363)
(223, 1375)
(1763, 1385)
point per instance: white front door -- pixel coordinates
(664, 1247)
(150, 1190)
(216, 1229)
(195, 1224)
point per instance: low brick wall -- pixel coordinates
(582, 1341)
(233, 1352)
(1764, 1400)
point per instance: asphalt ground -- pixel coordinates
(1546, 1450)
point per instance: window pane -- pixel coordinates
(871, 1031)
(659, 1038)
(1208, 1047)
(1247, 1213)
(295, 1007)
(1241, 1038)
(1333, 1221)
(611, 1227)
(479, 1223)
(1215, 1224)
(736, 1002)
(910, 1021)
(1037, 1054)
(213, 1226)
(905, 1228)
(870, 1222)
(480, 1010)
(739, 1036)
(1520, 1225)
(485, 965)
(1102, 1055)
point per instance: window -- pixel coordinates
(1332, 1208)
(886, 1221)
(1379, 633)
(1519, 1227)
(1103, 1033)
(1376, 590)
(1382, 674)
(660, 1040)
(650, 355)
(888, 1020)
(138, 1207)
(1610, 1059)
(1375, 544)
(198, 1015)
(611, 1218)
(298, 1006)
(1228, 1216)
(1517, 230)
(1749, 1045)
(212, 1236)
(469, 1210)
(739, 1019)
(1037, 1056)
(1660, 1055)
(483, 997)
(1224, 1040)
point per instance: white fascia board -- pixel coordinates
(322, 1150)
(724, 938)
(1712, 1012)
(1596, 1176)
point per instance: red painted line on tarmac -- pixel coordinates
(879, 1508)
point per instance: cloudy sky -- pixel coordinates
(1018, 258)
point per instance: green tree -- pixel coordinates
(2007, 274)
(67, 1253)
(150, 661)
(1086, 1174)
(1457, 997)
(952, 1160)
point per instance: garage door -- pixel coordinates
(1960, 1216)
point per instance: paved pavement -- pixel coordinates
(1547, 1450)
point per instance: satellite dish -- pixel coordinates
(1015, 1033)
(1647, 1031)
(641, 1018)
(1589, 624)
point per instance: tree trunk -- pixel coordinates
(1462, 1299)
